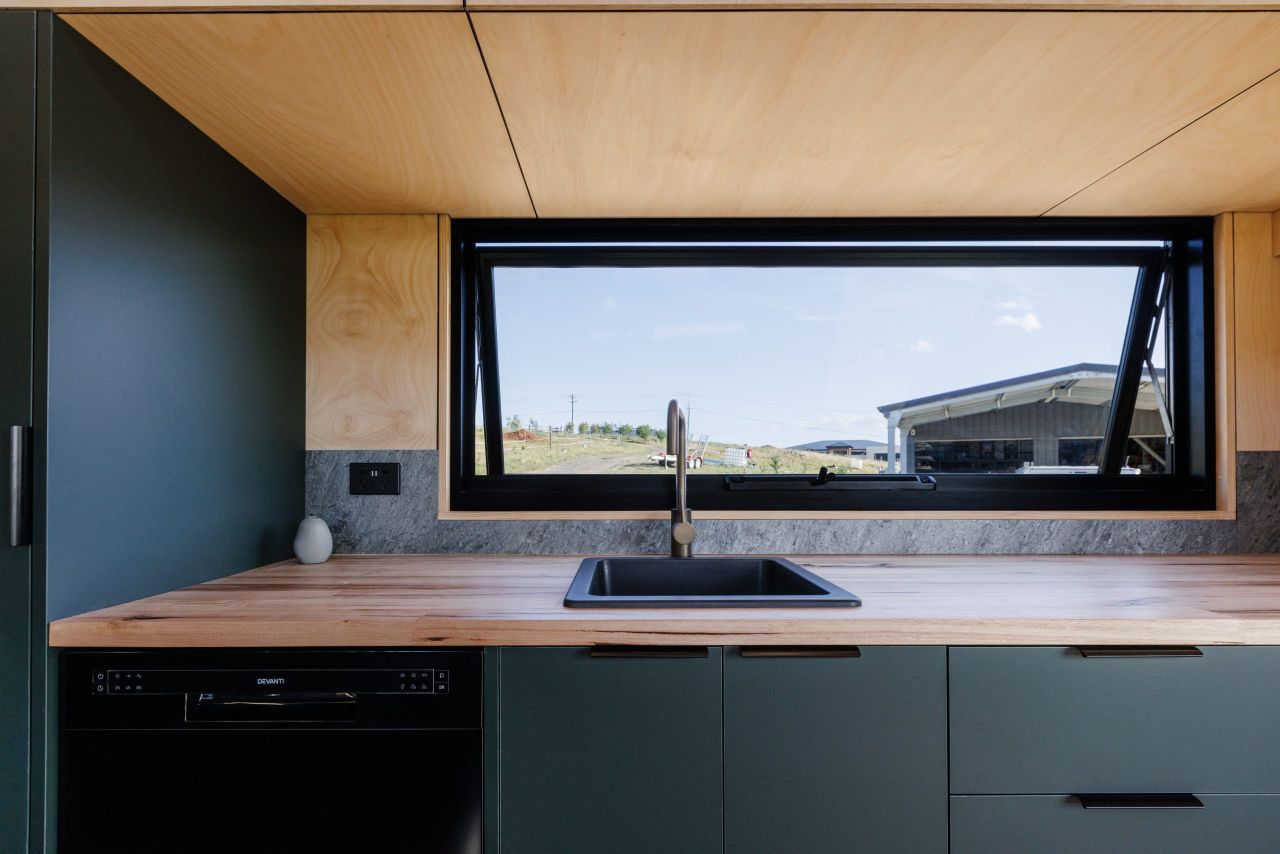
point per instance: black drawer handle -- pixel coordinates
(623, 651)
(1139, 651)
(800, 652)
(1115, 801)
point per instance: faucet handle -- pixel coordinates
(682, 533)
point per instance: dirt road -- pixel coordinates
(597, 465)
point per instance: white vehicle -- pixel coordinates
(693, 459)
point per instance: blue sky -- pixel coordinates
(785, 356)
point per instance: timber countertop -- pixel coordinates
(436, 600)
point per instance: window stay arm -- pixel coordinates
(491, 400)
(1143, 315)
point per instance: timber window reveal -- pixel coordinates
(1084, 346)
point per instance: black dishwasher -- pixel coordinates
(257, 751)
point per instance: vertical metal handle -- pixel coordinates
(19, 486)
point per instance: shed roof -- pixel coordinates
(1087, 383)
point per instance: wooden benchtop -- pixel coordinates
(437, 600)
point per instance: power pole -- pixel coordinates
(573, 399)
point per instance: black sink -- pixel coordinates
(701, 582)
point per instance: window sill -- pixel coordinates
(970, 515)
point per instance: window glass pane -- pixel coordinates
(1148, 439)
(481, 465)
(784, 370)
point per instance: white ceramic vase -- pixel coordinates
(314, 542)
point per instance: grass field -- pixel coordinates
(553, 453)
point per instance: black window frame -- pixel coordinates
(479, 245)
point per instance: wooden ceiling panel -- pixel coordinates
(1227, 161)
(358, 112)
(852, 113)
(948, 5)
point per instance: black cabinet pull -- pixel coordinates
(1118, 801)
(19, 486)
(800, 652)
(624, 651)
(1139, 651)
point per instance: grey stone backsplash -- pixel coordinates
(407, 524)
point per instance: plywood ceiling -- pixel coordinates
(358, 112)
(639, 5)
(852, 113)
(781, 113)
(1229, 160)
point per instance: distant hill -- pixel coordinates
(822, 446)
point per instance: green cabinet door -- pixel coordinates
(17, 277)
(836, 754)
(608, 755)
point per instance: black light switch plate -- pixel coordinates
(375, 478)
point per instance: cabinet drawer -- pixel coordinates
(1057, 824)
(1050, 719)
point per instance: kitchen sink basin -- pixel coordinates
(701, 582)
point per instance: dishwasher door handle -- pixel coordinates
(336, 707)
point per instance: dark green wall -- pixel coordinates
(176, 346)
(169, 305)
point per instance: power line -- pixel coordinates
(775, 423)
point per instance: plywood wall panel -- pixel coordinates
(371, 332)
(229, 5)
(357, 112)
(1257, 292)
(1224, 364)
(851, 113)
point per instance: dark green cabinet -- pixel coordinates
(608, 755)
(1045, 720)
(836, 754)
(17, 290)
(1056, 824)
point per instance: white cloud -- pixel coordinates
(1026, 321)
(921, 346)
(1014, 305)
(698, 330)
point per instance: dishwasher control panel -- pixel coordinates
(138, 681)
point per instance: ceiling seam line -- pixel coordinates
(1160, 142)
(501, 113)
